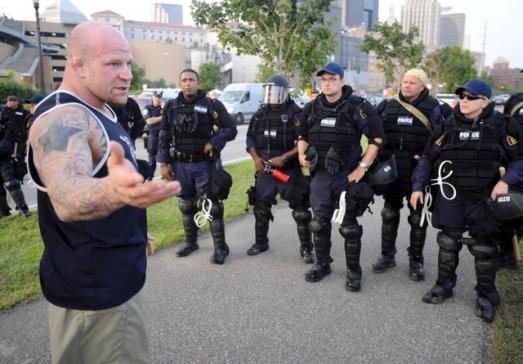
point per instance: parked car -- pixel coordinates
(242, 100)
(501, 99)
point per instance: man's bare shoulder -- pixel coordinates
(53, 131)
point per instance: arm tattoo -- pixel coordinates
(64, 157)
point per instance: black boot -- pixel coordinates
(416, 271)
(5, 210)
(303, 217)
(188, 209)
(389, 231)
(383, 263)
(352, 232)
(417, 242)
(318, 272)
(353, 280)
(438, 294)
(263, 215)
(221, 250)
(485, 309)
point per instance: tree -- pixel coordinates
(450, 67)
(138, 77)
(210, 76)
(396, 51)
(290, 36)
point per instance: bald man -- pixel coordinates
(91, 205)
(408, 121)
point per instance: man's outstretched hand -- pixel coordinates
(127, 184)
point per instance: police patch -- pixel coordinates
(363, 114)
(511, 140)
(215, 114)
(200, 109)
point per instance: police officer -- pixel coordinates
(152, 115)
(271, 143)
(130, 117)
(330, 129)
(195, 129)
(13, 135)
(466, 153)
(408, 122)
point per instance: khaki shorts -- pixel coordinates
(114, 335)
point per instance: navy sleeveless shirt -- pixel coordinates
(93, 264)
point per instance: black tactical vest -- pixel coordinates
(190, 125)
(475, 152)
(334, 126)
(274, 129)
(406, 135)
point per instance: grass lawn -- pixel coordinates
(21, 248)
(21, 244)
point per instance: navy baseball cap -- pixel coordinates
(475, 87)
(35, 99)
(331, 68)
(158, 93)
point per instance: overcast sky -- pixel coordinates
(503, 37)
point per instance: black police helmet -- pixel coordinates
(507, 206)
(278, 80)
(383, 175)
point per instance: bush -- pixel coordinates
(12, 87)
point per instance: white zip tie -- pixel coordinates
(440, 181)
(427, 203)
(339, 214)
(201, 217)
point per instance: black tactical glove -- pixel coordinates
(333, 161)
(311, 155)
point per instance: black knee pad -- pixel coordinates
(318, 224)
(448, 241)
(262, 211)
(353, 231)
(482, 251)
(301, 216)
(12, 185)
(216, 209)
(414, 220)
(389, 213)
(188, 207)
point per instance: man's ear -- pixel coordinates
(78, 65)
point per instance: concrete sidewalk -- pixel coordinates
(261, 310)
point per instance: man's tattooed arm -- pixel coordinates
(66, 143)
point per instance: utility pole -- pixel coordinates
(36, 5)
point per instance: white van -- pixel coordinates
(242, 100)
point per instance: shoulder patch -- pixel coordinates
(215, 114)
(363, 114)
(511, 140)
(297, 122)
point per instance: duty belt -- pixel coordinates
(188, 157)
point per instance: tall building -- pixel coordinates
(62, 11)
(357, 13)
(167, 13)
(452, 30)
(424, 15)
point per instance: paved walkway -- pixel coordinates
(261, 310)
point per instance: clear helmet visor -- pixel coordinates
(274, 94)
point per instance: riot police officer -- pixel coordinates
(408, 122)
(329, 133)
(271, 143)
(466, 153)
(152, 115)
(13, 136)
(195, 129)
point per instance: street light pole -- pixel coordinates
(36, 5)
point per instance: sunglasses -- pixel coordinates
(471, 97)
